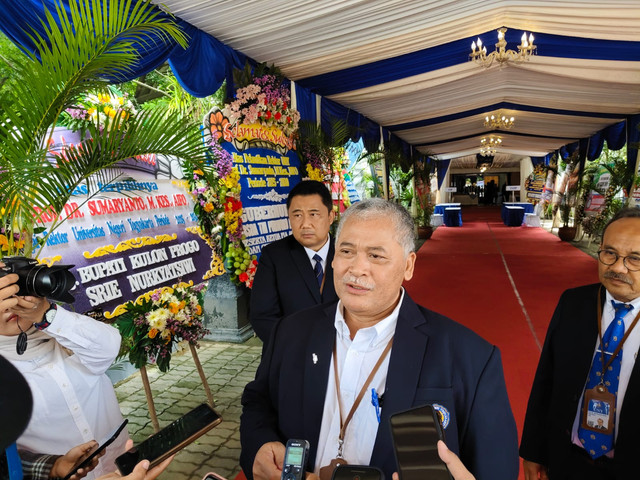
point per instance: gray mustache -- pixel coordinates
(348, 278)
(618, 276)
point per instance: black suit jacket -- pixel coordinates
(563, 369)
(433, 360)
(285, 283)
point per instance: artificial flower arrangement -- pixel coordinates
(160, 319)
(96, 108)
(318, 161)
(217, 204)
(266, 101)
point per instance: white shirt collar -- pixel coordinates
(323, 252)
(380, 332)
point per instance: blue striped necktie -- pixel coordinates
(595, 443)
(318, 268)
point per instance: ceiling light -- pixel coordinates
(489, 145)
(498, 121)
(501, 54)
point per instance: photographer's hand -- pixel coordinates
(31, 310)
(8, 289)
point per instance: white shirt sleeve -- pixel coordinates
(94, 344)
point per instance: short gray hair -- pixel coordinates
(627, 212)
(378, 207)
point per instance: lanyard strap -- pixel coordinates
(365, 387)
(619, 347)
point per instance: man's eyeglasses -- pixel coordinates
(631, 262)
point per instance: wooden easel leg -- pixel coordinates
(150, 404)
(205, 384)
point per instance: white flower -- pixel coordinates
(158, 318)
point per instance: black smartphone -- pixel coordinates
(170, 439)
(213, 476)
(97, 450)
(415, 435)
(357, 472)
(295, 460)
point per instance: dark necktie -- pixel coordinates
(595, 443)
(318, 268)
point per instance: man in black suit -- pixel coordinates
(331, 354)
(288, 278)
(555, 444)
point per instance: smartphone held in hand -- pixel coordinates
(171, 439)
(415, 435)
(86, 459)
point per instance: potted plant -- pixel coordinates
(422, 175)
(425, 230)
(566, 232)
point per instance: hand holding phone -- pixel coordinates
(171, 439)
(415, 439)
(85, 460)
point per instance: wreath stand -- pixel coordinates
(149, 394)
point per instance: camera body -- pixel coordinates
(40, 280)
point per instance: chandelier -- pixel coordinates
(498, 121)
(489, 146)
(501, 54)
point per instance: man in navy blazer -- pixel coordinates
(432, 360)
(285, 281)
(550, 435)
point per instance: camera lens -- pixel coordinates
(39, 280)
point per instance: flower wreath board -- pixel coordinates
(258, 130)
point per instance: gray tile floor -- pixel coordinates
(228, 367)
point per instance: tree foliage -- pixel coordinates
(83, 49)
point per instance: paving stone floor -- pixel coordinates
(228, 367)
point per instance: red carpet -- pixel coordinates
(502, 282)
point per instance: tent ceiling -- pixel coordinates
(423, 88)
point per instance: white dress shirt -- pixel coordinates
(629, 354)
(356, 359)
(323, 252)
(73, 400)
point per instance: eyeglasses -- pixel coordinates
(631, 262)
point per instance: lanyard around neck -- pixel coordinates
(365, 386)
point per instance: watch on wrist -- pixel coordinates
(49, 315)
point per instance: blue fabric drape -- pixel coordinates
(457, 52)
(200, 68)
(21, 19)
(497, 106)
(541, 160)
(442, 167)
(306, 104)
(633, 141)
(205, 63)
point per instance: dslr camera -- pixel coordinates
(40, 280)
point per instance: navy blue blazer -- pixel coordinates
(562, 371)
(433, 360)
(285, 283)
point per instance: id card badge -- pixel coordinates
(598, 410)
